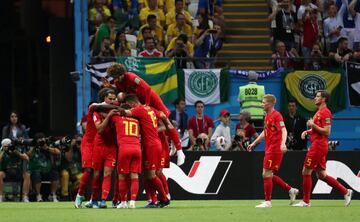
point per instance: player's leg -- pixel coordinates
(106, 185)
(26, 186)
(116, 194)
(84, 180)
(2, 177)
(123, 190)
(159, 173)
(156, 184)
(347, 193)
(307, 186)
(268, 186)
(134, 189)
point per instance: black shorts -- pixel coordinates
(37, 176)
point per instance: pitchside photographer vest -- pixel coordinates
(251, 96)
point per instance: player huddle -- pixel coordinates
(130, 134)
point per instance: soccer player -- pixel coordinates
(129, 82)
(275, 137)
(105, 147)
(152, 148)
(129, 157)
(86, 149)
(315, 160)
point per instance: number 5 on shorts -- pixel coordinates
(308, 162)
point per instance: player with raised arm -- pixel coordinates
(315, 160)
(275, 135)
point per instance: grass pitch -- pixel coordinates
(212, 210)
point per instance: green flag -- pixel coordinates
(159, 73)
(302, 86)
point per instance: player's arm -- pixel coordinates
(161, 126)
(321, 130)
(100, 125)
(100, 107)
(283, 139)
(256, 142)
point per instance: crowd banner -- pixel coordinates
(208, 85)
(159, 73)
(302, 86)
(353, 81)
(236, 73)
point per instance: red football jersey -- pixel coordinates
(90, 131)
(273, 125)
(127, 130)
(132, 83)
(148, 118)
(321, 118)
(107, 137)
(200, 125)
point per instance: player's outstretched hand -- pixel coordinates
(303, 135)
(251, 147)
(180, 157)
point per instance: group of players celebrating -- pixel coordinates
(275, 135)
(112, 141)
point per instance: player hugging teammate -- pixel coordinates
(116, 143)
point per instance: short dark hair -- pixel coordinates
(178, 100)
(151, 16)
(293, 101)
(125, 106)
(39, 135)
(324, 94)
(131, 97)
(145, 28)
(182, 1)
(149, 38)
(183, 37)
(341, 40)
(104, 92)
(199, 101)
(110, 18)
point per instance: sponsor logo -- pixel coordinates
(202, 83)
(311, 83)
(337, 170)
(201, 174)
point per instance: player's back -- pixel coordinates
(127, 130)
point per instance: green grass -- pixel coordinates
(214, 210)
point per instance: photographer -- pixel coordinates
(12, 167)
(239, 143)
(43, 165)
(71, 165)
(180, 48)
(317, 61)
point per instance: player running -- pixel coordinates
(275, 136)
(315, 160)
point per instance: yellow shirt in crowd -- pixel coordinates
(173, 31)
(160, 17)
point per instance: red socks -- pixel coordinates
(106, 186)
(307, 185)
(335, 184)
(95, 189)
(268, 185)
(123, 189)
(134, 188)
(164, 183)
(279, 182)
(116, 190)
(156, 184)
(174, 136)
(85, 179)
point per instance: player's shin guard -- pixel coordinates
(123, 188)
(95, 189)
(279, 182)
(307, 185)
(164, 182)
(268, 185)
(106, 185)
(134, 188)
(156, 184)
(85, 179)
(174, 136)
(335, 184)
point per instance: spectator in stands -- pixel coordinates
(13, 167)
(356, 16)
(150, 50)
(203, 21)
(145, 33)
(106, 30)
(343, 53)
(71, 169)
(156, 30)
(200, 128)
(283, 58)
(106, 53)
(180, 27)
(43, 166)
(145, 3)
(311, 34)
(127, 17)
(98, 13)
(120, 43)
(333, 26)
(207, 45)
(295, 124)
(222, 136)
(179, 117)
(213, 9)
(153, 10)
(179, 8)
(317, 61)
(179, 49)
(245, 128)
(14, 130)
(348, 22)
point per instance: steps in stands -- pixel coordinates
(247, 35)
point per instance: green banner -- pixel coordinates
(302, 85)
(159, 73)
